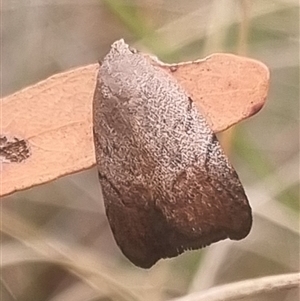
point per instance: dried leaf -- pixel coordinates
(53, 118)
(227, 88)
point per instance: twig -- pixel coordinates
(243, 289)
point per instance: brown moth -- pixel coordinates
(166, 183)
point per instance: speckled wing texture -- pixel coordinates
(166, 183)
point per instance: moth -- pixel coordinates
(167, 185)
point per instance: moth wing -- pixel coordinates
(204, 206)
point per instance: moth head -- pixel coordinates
(120, 70)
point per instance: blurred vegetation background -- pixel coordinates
(56, 243)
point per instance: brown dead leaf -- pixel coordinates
(54, 117)
(227, 88)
